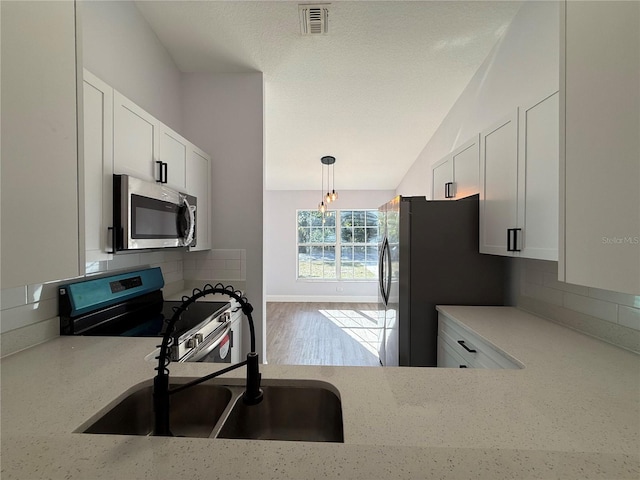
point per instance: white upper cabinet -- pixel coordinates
(499, 186)
(456, 175)
(122, 138)
(466, 169)
(519, 183)
(173, 158)
(98, 167)
(40, 204)
(442, 179)
(136, 140)
(600, 166)
(199, 185)
(538, 184)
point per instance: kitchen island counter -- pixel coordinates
(572, 412)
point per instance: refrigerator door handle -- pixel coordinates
(380, 269)
(388, 261)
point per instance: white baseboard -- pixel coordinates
(322, 298)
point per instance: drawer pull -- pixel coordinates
(463, 366)
(470, 350)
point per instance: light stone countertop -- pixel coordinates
(573, 412)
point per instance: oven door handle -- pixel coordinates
(209, 346)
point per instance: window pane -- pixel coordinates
(303, 235)
(372, 235)
(358, 235)
(346, 235)
(346, 270)
(316, 218)
(359, 254)
(346, 253)
(371, 254)
(303, 218)
(372, 218)
(330, 219)
(346, 218)
(304, 267)
(371, 271)
(358, 218)
(316, 235)
(330, 234)
(360, 271)
(329, 262)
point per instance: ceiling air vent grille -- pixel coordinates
(314, 19)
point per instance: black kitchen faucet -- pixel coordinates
(161, 390)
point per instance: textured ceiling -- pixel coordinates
(371, 93)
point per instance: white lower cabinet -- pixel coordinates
(459, 347)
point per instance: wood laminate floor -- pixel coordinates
(322, 334)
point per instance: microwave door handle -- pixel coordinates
(192, 222)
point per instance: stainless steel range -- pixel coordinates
(132, 305)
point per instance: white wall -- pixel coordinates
(224, 117)
(280, 247)
(120, 48)
(523, 66)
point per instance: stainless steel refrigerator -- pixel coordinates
(428, 256)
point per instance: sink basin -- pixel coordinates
(296, 410)
(309, 413)
(194, 412)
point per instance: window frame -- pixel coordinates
(337, 244)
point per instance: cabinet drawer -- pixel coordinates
(448, 357)
(485, 354)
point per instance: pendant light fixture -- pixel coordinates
(331, 195)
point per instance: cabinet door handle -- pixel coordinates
(448, 190)
(113, 240)
(470, 350)
(159, 179)
(512, 239)
(165, 167)
(463, 366)
(516, 248)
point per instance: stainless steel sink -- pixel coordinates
(296, 410)
(194, 412)
(298, 413)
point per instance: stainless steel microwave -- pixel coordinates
(151, 215)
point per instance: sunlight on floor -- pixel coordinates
(361, 325)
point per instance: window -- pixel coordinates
(341, 245)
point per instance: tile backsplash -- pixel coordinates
(610, 316)
(216, 265)
(29, 313)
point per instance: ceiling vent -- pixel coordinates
(314, 19)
